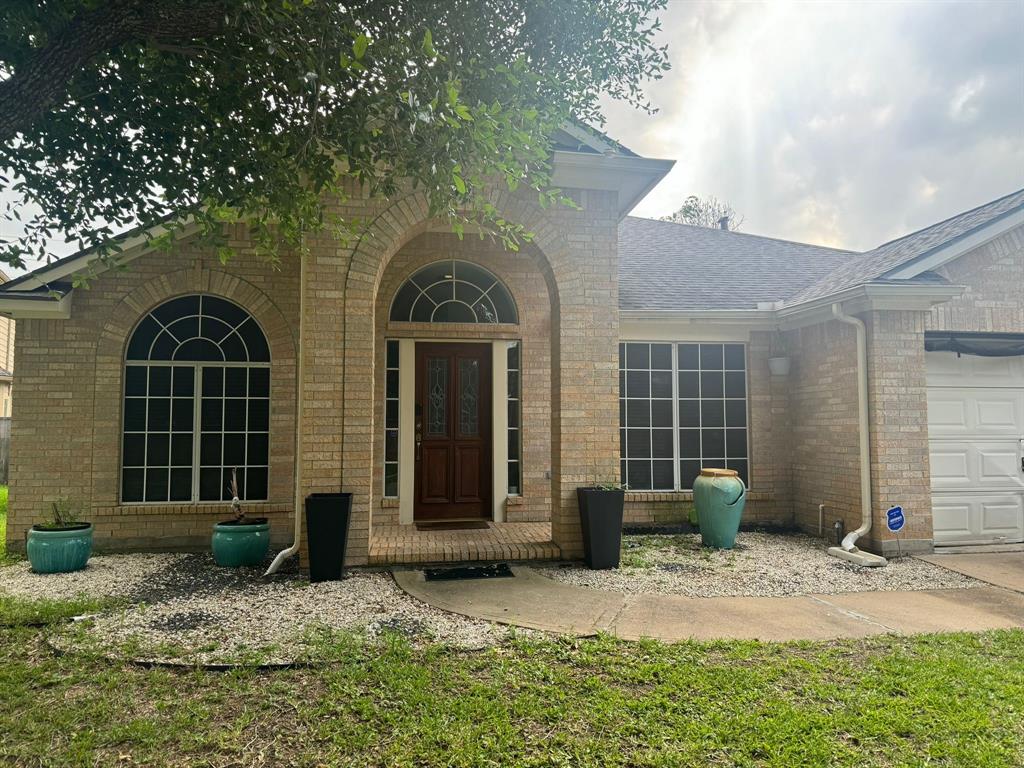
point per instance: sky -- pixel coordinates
(837, 123)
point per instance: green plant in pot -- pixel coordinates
(242, 540)
(61, 544)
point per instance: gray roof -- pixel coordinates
(878, 262)
(669, 266)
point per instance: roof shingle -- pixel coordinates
(669, 266)
(887, 257)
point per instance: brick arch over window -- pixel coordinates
(110, 355)
(572, 309)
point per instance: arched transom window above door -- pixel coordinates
(453, 291)
(196, 404)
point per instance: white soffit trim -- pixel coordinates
(953, 250)
(36, 306)
(631, 177)
(132, 247)
(865, 298)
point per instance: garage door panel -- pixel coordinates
(971, 519)
(950, 466)
(951, 519)
(965, 411)
(946, 369)
(963, 464)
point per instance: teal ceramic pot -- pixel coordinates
(719, 496)
(241, 545)
(59, 550)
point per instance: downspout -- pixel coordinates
(848, 550)
(300, 390)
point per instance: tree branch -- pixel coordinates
(43, 79)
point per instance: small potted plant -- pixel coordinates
(601, 520)
(61, 544)
(242, 540)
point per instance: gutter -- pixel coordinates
(300, 392)
(848, 549)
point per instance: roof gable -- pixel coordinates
(887, 259)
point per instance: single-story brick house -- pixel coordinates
(445, 379)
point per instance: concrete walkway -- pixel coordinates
(533, 601)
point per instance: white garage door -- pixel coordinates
(976, 436)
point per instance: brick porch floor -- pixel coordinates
(501, 541)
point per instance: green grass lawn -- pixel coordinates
(952, 700)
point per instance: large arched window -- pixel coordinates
(196, 403)
(453, 292)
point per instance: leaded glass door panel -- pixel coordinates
(453, 431)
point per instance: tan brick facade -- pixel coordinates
(67, 434)
(67, 438)
(802, 427)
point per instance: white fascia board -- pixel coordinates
(631, 177)
(753, 318)
(957, 248)
(131, 247)
(35, 307)
(865, 298)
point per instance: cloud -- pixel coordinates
(845, 124)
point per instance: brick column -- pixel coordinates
(897, 394)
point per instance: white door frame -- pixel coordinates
(407, 420)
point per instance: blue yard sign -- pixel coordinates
(894, 519)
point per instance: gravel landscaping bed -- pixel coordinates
(181, 607)
(762, 564)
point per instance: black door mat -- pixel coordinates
(453, 525)
(495, 571)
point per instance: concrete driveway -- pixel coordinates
(1002, 569)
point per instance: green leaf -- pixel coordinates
(460, 183)
(428, 44)
(360, 45)
(463, 111)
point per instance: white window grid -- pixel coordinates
(392, 415)
(515, 392)
(483, 308)
(624, 368)
(197, 399)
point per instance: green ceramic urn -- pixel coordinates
(719, 496)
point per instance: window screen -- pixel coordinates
(196, 404)
(681, 407)
(514, 441)
(391, 383)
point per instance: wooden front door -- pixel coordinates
(453, 431)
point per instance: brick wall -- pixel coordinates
(68, 429)
(898, 404)
(67, 425)
(994, 299)
(823, 421)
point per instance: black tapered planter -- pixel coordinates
(601, 520)
(327, 519)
